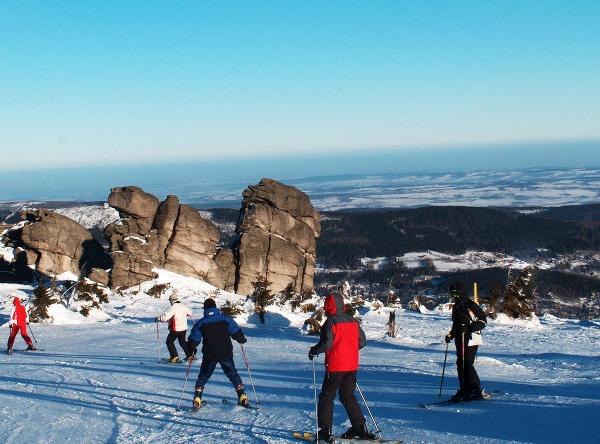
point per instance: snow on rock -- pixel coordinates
(90, 216)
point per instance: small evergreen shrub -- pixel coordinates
(261, 297)
(231, 309)
(158, 290)
(308, 308)
(92, 292)
(42, 299)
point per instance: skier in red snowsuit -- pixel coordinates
(19, 319)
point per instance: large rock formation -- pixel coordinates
(276, 240)
(55, 244)
(164, 234)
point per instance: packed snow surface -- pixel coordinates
(99, 380)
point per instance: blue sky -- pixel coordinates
(106, 82)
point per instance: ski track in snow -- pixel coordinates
(100, 382)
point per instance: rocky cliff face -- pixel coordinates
(275, 240)
(277, 233)
(55, 244)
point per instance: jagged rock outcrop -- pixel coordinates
(193, 245)
(164, 234)
(276, 240)
(56, 244)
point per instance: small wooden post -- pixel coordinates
(392, 324)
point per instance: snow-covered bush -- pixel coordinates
(232, 309)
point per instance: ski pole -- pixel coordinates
(462, 392)
(249, 375)
(316, 408)
(368, 410)
(31, 331)
(443, 371)
(158, 342)
(185, 382)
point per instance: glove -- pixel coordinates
(448, 338)
(465, 331)
(243, 340)
(312, 354)
(156, 320)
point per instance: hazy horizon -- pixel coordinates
(390, 178)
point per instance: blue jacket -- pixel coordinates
(215, 330)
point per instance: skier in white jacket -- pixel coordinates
(176, 315)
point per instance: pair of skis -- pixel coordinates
(451, 401)
(307, 436)
(22, 351)
(228, 402)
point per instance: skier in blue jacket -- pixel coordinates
(215, 330)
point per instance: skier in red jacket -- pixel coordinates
(341, 338)
(19, 319)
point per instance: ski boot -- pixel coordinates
(458, 396)
(31, 347)
(324, 434)
(174, 360)
(358, 432)
(197, 403)
(243, 400)
(474, 394)
(9, 351)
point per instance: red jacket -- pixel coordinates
(18, 315)
(341, 337)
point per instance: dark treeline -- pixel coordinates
(567, 237)
(347, 236)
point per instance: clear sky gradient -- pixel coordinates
(106, 82)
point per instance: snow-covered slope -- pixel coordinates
(98, 380)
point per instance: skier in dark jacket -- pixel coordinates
(341, 338)
(215, 330)
(468, 319)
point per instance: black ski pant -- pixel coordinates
(345, 383)
(180, 336)
(208, 367)
(467, 375)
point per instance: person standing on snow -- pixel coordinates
(18, 322)
(176, 315)
(215, 330)
(341, 338)
(468, 319)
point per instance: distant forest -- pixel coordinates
(347, 236)
(526, 233)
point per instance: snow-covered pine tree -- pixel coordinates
(42, 298)
(520, 294)
(262, 297)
